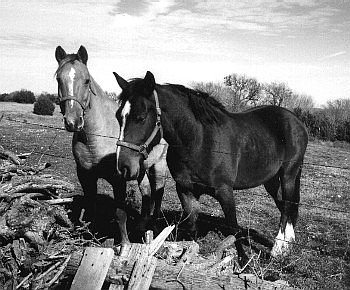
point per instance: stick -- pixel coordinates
(7, 154)
(59, 272)
(25, 279)
(53, 267)
(59, 200)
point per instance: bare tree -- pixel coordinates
(112, 95)
(244, 91)
(338, 110)
(302, 101)
(277, 94)
(216, 90)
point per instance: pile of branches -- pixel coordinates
(36, 234)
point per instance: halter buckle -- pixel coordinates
(143, 150)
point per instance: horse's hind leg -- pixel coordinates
(273, 187)
(289, 205)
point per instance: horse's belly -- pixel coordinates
(252, 174)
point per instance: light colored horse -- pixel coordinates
(91, 115)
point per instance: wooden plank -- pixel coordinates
(192, 276)
(142, 273)
(93, 269)
(145, 265)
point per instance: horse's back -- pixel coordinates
(280, 123)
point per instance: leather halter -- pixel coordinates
(142, 149)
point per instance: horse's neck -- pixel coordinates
(178, 126)
(101, 111)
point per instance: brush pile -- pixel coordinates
(33, 227)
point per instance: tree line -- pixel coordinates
(238, 93)
(43, 103)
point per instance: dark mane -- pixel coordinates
(135, 86)
(69, 58)
(205, 108)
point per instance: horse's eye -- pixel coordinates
(141, 118)
(87, 81)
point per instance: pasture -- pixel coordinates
(321, 256)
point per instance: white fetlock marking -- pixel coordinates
(283, 241)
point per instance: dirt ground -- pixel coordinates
(321, 256)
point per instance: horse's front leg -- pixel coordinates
(88, 182)
(119, 191)
(147, 207)
(225, 196)
(157, 177)
(190, 206)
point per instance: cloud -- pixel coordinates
(334, 54)
(143, 8)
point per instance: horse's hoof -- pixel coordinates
(280, 248)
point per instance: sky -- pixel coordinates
(304, 43)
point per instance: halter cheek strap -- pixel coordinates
(142, 149)
(84, 105)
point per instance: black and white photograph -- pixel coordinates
(174, 144)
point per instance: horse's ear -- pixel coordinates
(60, 53)
(150, 83)
(83, 55)
(121, 82)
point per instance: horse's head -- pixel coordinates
(139, 119)
(74, 87)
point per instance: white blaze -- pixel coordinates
(70, 83)
(125, 113)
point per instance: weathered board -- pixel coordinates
(93, 269)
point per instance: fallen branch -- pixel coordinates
(7, 154)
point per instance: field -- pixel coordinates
(321, 256)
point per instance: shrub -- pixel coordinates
(52, 97)
(24, 96)
(3, 97)
(8, 98)
(44, 106)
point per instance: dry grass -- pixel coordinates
(321, 256)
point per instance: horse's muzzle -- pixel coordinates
(73, 125)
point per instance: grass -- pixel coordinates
(320, 259)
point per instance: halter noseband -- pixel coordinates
(84, 105)
(142, 149)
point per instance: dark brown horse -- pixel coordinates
(90, 114)
(213, 151)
